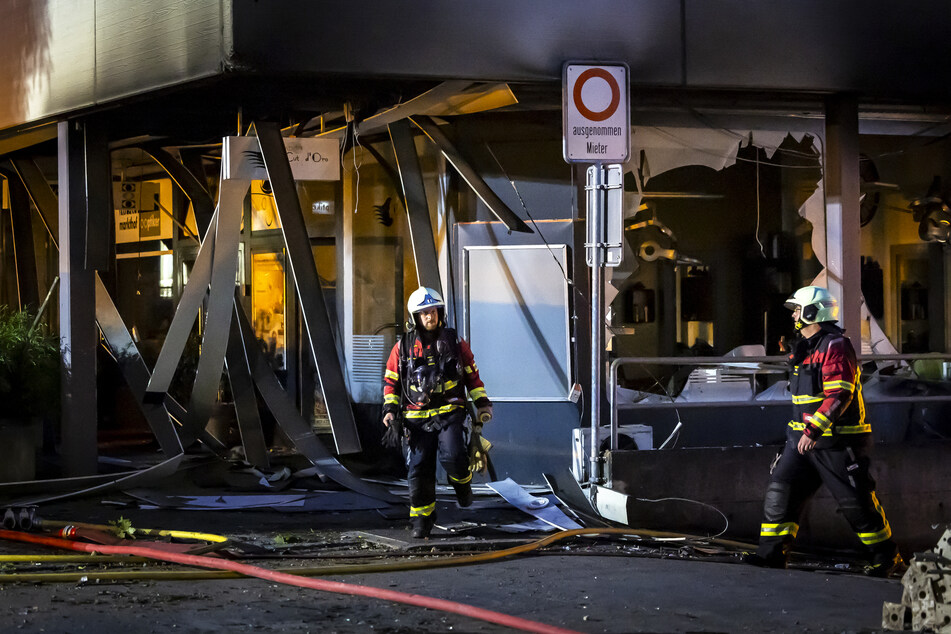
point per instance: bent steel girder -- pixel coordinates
(417, 207)
(223, 271)
(311, 295)
(188, 306)
(117, 336)
(294, 425)
(24, 254)
(421, 103)
(470, 176)
(134, 370)
(188, 182)
(245, 403)
(242, 389)
(42, 195)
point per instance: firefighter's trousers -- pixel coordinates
(795, 478)
(449, 443)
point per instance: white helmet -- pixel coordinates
(816, 305)
(423, 298)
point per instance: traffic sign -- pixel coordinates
(596, 113)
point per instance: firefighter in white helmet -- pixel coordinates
(827, 440)
(424, 396)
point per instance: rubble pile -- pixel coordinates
(926, 595)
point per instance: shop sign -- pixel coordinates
(311, 159)
(596, 114)
(143, 211)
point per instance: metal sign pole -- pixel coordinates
(596, 235)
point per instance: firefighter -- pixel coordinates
(827, 441)
(424, 396)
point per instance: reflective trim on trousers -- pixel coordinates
(870, 539)
(779, 530)
(422, 511)
(464, 480)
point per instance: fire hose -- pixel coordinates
(295, 580)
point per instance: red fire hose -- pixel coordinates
(294, 580)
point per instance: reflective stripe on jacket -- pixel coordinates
(826, 387)
(448, 394)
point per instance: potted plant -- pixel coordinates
(29, 390)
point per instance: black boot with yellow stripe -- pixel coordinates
(423, 525)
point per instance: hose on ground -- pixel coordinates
(312, 571)
(295, 580)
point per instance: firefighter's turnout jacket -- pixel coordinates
(826, 388)
(828, 408)
(447, 361)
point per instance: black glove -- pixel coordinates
(394, 433)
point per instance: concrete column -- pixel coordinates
(77, 300)
(842, 211)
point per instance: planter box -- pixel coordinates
(20, 442)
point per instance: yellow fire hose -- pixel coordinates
(349, 569)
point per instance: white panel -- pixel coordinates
(516, 309)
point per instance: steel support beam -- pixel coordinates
(843, 225)
(99, 211)
(313, 304)
(417, 207)
(470, 176)
(78, 335)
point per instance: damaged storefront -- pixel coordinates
(224, 243)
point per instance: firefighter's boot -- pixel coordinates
(463, 493)
(885, 562)
(423, 525)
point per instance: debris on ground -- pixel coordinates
(926, 596)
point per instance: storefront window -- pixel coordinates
(267, 306)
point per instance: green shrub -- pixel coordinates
(29, 368)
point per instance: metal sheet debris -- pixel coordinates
(300, 502)
(540, 507)
(569, 492)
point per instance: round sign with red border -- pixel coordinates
(596, 113)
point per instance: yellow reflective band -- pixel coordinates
(428, 413)
(470, 369)
(842, 385)
(390, 374)
(821, 421)
(778, 530)
(478, 393)
(800, 399)
(464, 480)
(870, 539)
(448, 385)
(873, 538)
(854, 429)
(391, 399)
(416, 511)
(847, 429)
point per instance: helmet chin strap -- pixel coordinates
(800, 324)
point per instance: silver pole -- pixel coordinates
(596, 239)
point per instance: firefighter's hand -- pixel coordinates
(388, 418)
(484, 414)
(805, 444)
